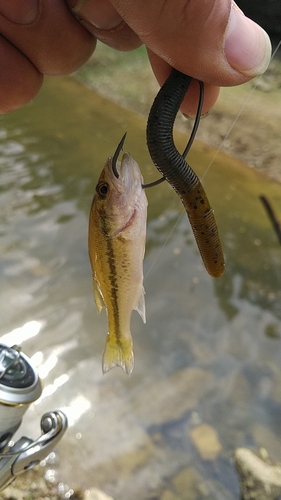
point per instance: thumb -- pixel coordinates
(210, 40)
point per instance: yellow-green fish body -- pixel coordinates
(117, 231)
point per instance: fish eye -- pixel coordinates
(102, 189)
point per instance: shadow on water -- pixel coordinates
(208, 358)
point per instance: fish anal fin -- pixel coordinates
(118, 352)
(140, 305)
(98, 296)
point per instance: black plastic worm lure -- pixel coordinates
(172, 165)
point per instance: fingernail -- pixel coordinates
(100, 14)
(76, 5)
(247, 46)
(20, 12)
(191, 117)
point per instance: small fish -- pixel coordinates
(178, 172)
(117, 232)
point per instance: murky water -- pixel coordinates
(207, 362)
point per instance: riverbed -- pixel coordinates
(207, 362)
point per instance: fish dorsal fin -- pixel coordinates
(140, 305)
(98, 296)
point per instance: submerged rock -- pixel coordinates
(169, 495)
(185, 483)
(34, 485)
(95, 494)
(170, 398)
(206, 440)
(260, 477)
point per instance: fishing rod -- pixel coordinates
(20, 385)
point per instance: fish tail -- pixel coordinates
(118, 352)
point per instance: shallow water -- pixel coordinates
(210, 351)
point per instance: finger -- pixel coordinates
(19, 79)
(53, 41)
(208, 39)
(103, 21)
(189, 105)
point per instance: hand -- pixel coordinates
(209, 39)
(37, 37)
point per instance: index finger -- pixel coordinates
(55, 42)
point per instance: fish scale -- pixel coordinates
(117, 231)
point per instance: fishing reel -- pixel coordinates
(19, 386)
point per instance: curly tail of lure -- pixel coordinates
(172, 165)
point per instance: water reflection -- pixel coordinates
(76, 409)
(209, 353)
(23, 333)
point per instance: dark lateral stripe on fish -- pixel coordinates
(110, 258)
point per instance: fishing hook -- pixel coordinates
(192, 135)
(115, 156)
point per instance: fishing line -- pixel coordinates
(164, 244)
(244, 104)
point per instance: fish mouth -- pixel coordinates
(130, 175)
(125, 173)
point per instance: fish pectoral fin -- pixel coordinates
(98, 296)
(140, 305)
(118, 352)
